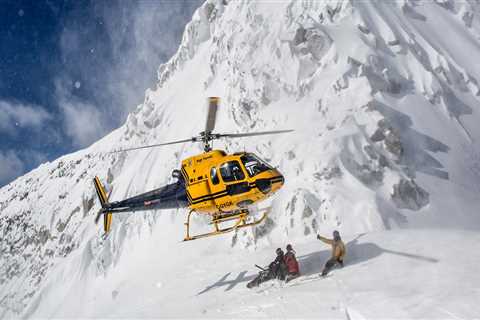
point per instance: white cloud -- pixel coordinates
(11, 166)
(83, 122)
(153, 35)
(17, 115)
(70, 40)
(32, 158)
(138, 36)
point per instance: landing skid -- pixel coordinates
(240, 218)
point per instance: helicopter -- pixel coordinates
(215, 183)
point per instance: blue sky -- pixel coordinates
(70, 71)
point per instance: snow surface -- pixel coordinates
(383, 97)
(396, 274)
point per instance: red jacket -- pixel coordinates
(291, 262)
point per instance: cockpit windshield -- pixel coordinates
(253, 164)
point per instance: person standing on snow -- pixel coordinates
(338, 251)
(292, 263)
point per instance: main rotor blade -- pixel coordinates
(156, 145)
(212, 113)
(240, 135)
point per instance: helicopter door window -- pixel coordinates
(231, 171)
(214, 175)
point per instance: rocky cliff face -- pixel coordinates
(383, 97)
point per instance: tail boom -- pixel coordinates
(170, 196)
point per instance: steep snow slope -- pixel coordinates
(397, 274)
(384, 100)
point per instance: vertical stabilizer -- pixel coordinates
(102, 195)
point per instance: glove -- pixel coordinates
(318, 236)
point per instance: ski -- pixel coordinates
(306, 279)
(264, 287)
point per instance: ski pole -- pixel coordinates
(260, 267)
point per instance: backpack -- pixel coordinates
(291, 262)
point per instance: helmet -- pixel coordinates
(336, 235)
(289, 247)
(279, 251)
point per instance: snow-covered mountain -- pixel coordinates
(383, 97)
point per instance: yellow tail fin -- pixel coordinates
(102, 196)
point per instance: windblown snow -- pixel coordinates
(383, 97)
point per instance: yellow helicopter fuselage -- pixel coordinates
(217, 182)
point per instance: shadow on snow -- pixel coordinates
(312, 263)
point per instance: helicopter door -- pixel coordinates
(234, 178)
(235, 185)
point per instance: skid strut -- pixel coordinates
(240, 218)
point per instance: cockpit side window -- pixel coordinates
(231, 171)
(214, 175)
(253, 164)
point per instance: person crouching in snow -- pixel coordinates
(278, 266)
(276, 270)
(292, 263)
(338, 252)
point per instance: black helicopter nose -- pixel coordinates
(279, 178)
(264, 185)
